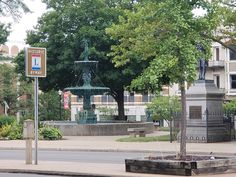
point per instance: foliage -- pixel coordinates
(230, 107)
(49, 106)
(62, 30)
(16, 131)
(11, 131)
(9, 58)
(13, 8)
(104, 110)
(16, 95)
(50, 133)
(4, 33)
(8, 88)
(163, 107)
(5, 130)
(166, 34)
(6, 120)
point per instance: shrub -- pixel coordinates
(16, 131)
(12, 131)
(50, 133)
(6, 120)
(5, 130)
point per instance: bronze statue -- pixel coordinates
(203, 64)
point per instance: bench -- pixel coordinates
(137, 131)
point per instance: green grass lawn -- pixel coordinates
(145, 139)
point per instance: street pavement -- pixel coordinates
(105, 143)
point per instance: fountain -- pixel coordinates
(87, 124)
(87, 115)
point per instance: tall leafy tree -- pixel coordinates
(8, 94)
(62, 30)
(50, 106)
(166, 34)
(164, 107)
(16, 94)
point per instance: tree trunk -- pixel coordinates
(119, 97)
(183, 122)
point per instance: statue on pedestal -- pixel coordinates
(203, 64)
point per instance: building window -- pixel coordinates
(233, 81)
(131, 97)
(110, 98)
(145, 98)
(125, 98)
(232, 54)
(217, 80)
(216, 53)
(104, 98)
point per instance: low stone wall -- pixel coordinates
(100, 129)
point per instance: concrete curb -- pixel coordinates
(121, 150)
(55, 173)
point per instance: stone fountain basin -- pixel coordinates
(99, 129)
(193, 165)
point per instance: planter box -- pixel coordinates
(169, 165)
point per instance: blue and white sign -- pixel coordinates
(36, 62)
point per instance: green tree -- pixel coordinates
(164, 107)
(16, 94)
(165, 33)
(8, 93)
(62, 30)
(50, 107)
(25, 102)
(230, 107)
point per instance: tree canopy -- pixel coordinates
(62, 30)
(164, 107)
(166, 34)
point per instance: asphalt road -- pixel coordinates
(73, 156)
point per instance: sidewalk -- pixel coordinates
(103, 143)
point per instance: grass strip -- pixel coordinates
(145, 139)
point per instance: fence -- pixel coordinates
(211, 122)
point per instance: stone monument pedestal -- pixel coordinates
(205, 113)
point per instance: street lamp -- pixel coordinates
(60, 92)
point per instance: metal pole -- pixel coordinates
(171, 131)
(60, 106)
(207, 119)
(36, 119)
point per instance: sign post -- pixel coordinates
(35, 59)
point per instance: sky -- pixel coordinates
(27, 22)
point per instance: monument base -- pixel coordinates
(205, 113)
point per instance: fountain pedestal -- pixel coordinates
(86, 117)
